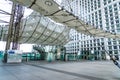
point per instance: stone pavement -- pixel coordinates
(41, 70)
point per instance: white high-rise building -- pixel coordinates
(104, 14)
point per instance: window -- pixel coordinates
(117, 21)
(115, 47)
(112, 22)
(114, 43)
(110, 11)
(102, 43)
(109, 1)
(110, 52)
(105, 2)
(102, 39)
(116, 17)
(118, 30)
(116, 13)
(110, 47)
(109, 43)
(111, 18)
(115, 5)
(110, 7)
(98, 44)
(115, 9)
(105, 9)
(107, 28)
(106, 12)
(103, 48)
(98, 48)
(111, 15)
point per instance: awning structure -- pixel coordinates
(51, 9)
(38, 29)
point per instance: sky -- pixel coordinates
(6, 5)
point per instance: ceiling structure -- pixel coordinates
(38, 29)
(54, 11)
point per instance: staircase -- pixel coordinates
(41, 51)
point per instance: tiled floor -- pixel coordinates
(83, 70)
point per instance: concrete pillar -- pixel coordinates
(58, 52)
(107, 56)
(100, 55)
(74, 56)
(119, 55)
(66, 57)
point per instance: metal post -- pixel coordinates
(16, 28)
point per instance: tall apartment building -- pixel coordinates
(103, 14)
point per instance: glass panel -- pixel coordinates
(47, 31)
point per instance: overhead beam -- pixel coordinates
(4, 12)
(3, 21)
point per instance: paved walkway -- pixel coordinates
(83, 70)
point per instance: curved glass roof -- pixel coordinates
(38, 29)
(51, 9)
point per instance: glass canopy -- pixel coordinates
(38, 29)
(59, 14)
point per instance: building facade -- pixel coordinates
(103, 14)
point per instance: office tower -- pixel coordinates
(102, 14)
